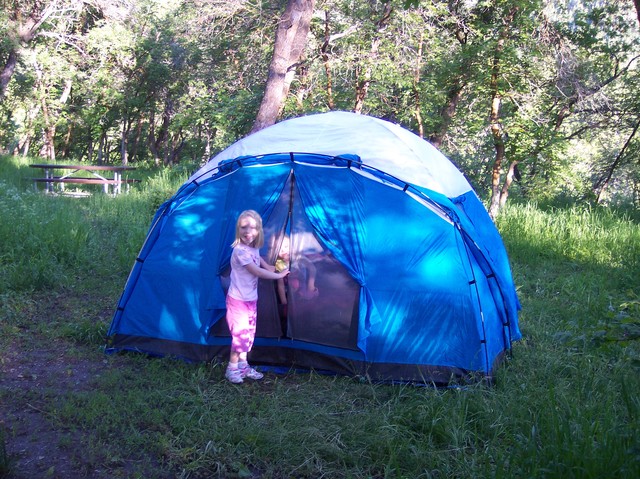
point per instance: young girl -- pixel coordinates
(242, 298)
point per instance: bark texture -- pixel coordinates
(290, 42)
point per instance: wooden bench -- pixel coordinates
(86, 181)
(116, 181)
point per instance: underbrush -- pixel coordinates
(565, 404)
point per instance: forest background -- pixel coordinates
(536, 98)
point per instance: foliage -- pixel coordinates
(163, 82)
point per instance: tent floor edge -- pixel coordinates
(155, 347)
(284, 360)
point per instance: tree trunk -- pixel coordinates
(124, 141)
(7, 72)
(64, 97)
(151, 143)
(304, 86)
(27, 137)
(25, 146)
(101, 146)
(291, 38)
(497, 131)
(447, 112)
(67, 141)
(48, 149)
(601, 185)
(324, 53)
(504, 194)
(416, 87)
(90, 147)
(107, 151)
(50, 115)
(498, 142)
(161, 143)
(177, 144)
(364, 78)
(454, 91)
(27, 25)
(66, 92)
(136, 140)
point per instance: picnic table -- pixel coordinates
(71, 176)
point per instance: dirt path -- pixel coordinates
(38, 373)
(33, 373)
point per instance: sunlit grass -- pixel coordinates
(51, 240)
(565, 405)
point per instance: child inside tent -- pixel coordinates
(301, 281)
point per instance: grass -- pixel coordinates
(566, 404)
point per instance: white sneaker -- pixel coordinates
(250, 373)
(234, 375)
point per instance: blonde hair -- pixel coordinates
(259, 241)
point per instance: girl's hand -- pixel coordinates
(283, 273)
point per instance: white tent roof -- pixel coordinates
(380, 144)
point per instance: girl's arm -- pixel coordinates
(265, 273)
(267, 266)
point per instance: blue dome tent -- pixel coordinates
(398, 273)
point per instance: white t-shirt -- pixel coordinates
(244, 285)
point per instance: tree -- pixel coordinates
(516, 103)
(290, 41)
(543, 75)
(453, 76)
(497, 131)
(604, 107)
(366, 66)
(23, 19)
(29, 20)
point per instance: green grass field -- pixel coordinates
(565, 405)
